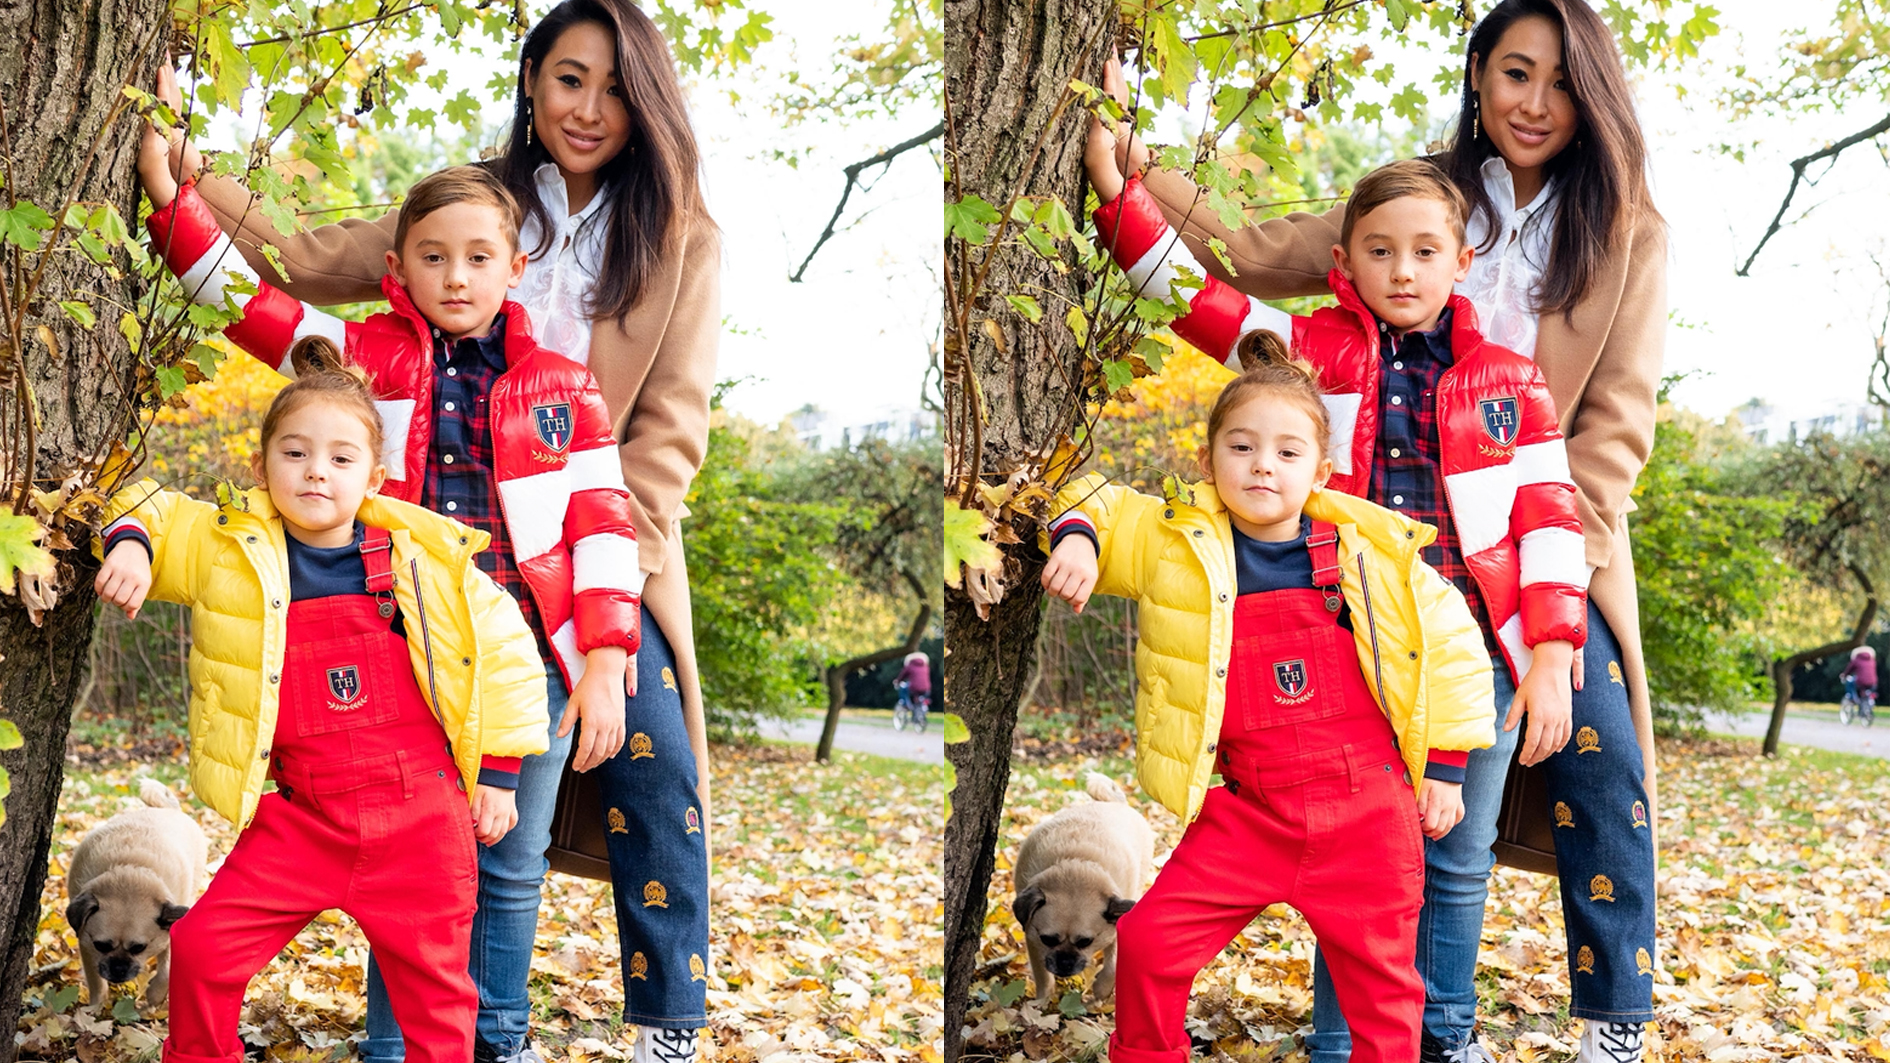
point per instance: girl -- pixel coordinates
(623, 277)
(347, 647)
(1570, 271)
(1292, 641)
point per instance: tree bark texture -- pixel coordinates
(1011, 129)
(60, 79)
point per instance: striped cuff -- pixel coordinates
(1071, 523)
(1446, 765)
(501, 772)
(128, 530)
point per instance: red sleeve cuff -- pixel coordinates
(501, 772)
(1446, 765)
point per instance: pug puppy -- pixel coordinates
(132, 878)
(1076, 874)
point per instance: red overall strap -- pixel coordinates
(1323, 545)
(377, 553)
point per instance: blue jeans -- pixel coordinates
(1604, 854)
(659, 868)
(1456, 884)
(505, 926)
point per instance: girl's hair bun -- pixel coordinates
(324, 373)
(317, 355)
(1260, 347)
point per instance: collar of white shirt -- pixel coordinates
(552, 193)
(1501, 188)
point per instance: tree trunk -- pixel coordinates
(1783, 667)
(59, 84)
(1011, 128)
(836, 678)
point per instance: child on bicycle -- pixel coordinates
(346, 646)
(915, 685)
(1293, 641)
(1860, 675)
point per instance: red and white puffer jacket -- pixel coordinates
(1505, 466)
(560, 484)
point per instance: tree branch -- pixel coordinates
(853, 178)
(1831, 151)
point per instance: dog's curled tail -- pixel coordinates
(156, 794)
(1101, 787)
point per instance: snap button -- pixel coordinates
(468, 660)
(1221, 672)
(1414, 655)
(1169, 513)
(249, 538)
(462, 540)
(1409, 534)
(462, 786)
(276, 603)
(1210, 747)
(221, 519)
(439, 774)
(265, 756)
(1198, 533)
(274, 678)
(1223, 596)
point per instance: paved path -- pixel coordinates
(872, 736)
(1806, 729)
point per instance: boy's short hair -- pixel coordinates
(457, 184)
(1406, 177)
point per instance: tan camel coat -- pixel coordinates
(655, 367)
(1602, 364)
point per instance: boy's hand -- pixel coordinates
(494, 812)
(1071, 573)
(1440, 806)
(126, 577)
(598, 701)
(1544, 694)
(1110, 157)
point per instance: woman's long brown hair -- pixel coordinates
(653, 182)
(1601, 176)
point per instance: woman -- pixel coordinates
(1571, 270)
(623, 275)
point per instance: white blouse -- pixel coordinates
(558, 282)
(1505, 281)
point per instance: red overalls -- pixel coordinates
(1315, 813)
(370, 817)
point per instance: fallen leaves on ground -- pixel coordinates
(1774, 929)
(825, 930)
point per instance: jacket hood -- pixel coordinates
(518, 323)
(1465, 335)
(379, 511)
(1387, 529)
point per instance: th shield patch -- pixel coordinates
(553, 422)
(345, 683)
(1290, 677)
(1500, 419)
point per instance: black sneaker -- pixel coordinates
(1431, 1050)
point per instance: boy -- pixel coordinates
(1432, 421)
(488, 428)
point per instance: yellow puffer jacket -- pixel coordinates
(1423, 654)
(476, 659)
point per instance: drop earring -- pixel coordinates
(528, 121)
(1476, 126)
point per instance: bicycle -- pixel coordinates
(1855, 705)
(910, 712)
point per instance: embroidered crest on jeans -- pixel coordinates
(1292, 680)
(669, 678)
(1563, 816)
(654, 895)
(1640, 814)
(1643, 962)
(640, 746)
(639, 967)
(1587, 741)
(615, 819)
(1614, 674)
(697, 971)
(1585, 960)
(1601, 888)
(692, 823)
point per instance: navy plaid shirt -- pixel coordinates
(460, 479)
(1407, 459)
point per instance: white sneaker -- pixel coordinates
(1610, 1042)
(657, 1045)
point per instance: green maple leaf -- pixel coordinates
(965, 542)
(20, 549)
